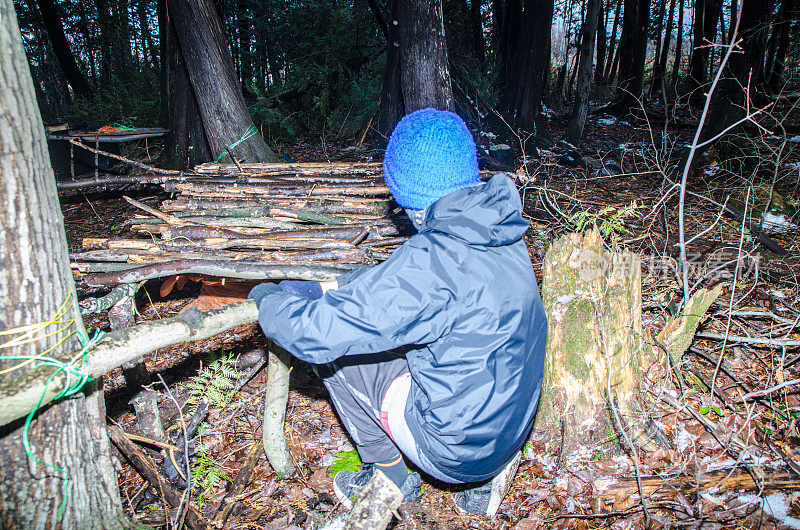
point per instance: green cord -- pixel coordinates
(71, 387)
(249, 133)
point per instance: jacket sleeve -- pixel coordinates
(396, 303)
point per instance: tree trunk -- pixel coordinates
(524, 87)
(424, 70)
(593, 303)
(706, 14)
(476, 31)
(661, 64)
(607, 77)
(391, 109)
(66, 59)
(275, 399)
(510, 28)
(728, 105)
(632, 53)
(186, 144)
(35, 284)
(602, 21)
(676, 65)
(581, 105)
(783, 27)
(662, 7)
(244, 31)
(212, 76)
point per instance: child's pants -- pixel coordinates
(370, 394)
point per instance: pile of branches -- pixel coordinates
(310, 221)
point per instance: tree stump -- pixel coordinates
(592, 298)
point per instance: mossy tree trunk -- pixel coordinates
(594, 339)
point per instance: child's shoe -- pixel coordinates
(486, 498)
(347, 485)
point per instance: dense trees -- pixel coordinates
(301, 69)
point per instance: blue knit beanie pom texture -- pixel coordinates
(430, 154)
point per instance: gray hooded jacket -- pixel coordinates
(461, 298)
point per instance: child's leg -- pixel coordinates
(357, 385)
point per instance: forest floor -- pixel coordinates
(721, 461)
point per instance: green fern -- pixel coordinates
(206, 476)
(216, 383)
(345, 461)
(609, 220)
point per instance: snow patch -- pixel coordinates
(607, 120)
(547, 113)
(489, 135)
(795, 139)
(684, 440)
(777, 222)
(775, 505)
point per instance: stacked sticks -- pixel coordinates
(254, 221)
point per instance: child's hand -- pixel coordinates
(261, 290)
(307, 289)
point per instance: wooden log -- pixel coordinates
(194, 517)
(275, 400)
(295, 168)
(203, 190)
(375, 504)
(202, 206)
(18, 395)
(225, 269)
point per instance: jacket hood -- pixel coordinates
(488, 214)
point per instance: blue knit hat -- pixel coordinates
(430, 154)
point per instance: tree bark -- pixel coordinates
(186, 145)
(783, 27)
(706, 15)
(476, 31)
(632, 53)
(19, 394)
(728, 105)
(275, 399)
(593, 303)
(661, 64)
(212, 75)
(66, 59)
(391, 108)
(35, 283)
(424, 71)
(581, 105)
(375, 504)
(607, 77)
(525, 84)
(676, 65)
(602, 21)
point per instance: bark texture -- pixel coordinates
(375, 504)
(526, 77)
(214, 81)
(581, 105)
(425, 73)
(34, 283)
(66, 59)
(594, 343)
(275, 399)
(632, 53)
